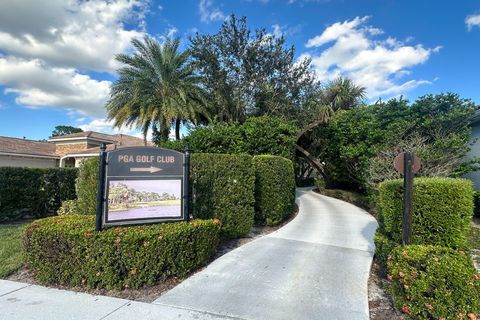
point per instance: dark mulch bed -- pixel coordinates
(149, 294)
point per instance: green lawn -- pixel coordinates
(10, 248)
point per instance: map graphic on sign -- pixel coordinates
(139, 199)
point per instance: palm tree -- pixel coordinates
(157, 87)
(339, 94)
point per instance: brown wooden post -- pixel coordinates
(408, 198)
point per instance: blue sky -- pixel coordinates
(56, 56)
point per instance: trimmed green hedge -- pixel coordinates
(33, 191)
(87, 186)
(442, 210)
(430, 282)
(227, 187)
(66, 250)
(274, 189)
(223, 187)
(256, 136)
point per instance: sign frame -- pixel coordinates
(140, 174)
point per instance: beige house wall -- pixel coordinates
(18, 161)
(65, 148)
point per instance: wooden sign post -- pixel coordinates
(407, 164)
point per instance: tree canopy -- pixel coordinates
(249, 73)
(62, 130)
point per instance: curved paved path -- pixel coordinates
(315, 267)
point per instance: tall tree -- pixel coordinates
(64, 130)
(250, 73)
(157, 88)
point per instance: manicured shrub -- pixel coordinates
(87, 186)
(442, 210)
(33, 191)
(430, 282)
(66, 250)
(223, 188)
(274, 189)
(256, 136)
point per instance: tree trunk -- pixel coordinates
(315, 163)
(177, 129)
(308, 128)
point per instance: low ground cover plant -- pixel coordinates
(66, 250)
(432, 282)
(34, 192)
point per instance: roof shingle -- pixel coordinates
(27, 147)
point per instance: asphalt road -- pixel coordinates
(315, 267)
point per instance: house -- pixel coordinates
(61, 151)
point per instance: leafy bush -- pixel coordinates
(66, 250)
(34, 192)
(430, 282)
(257, 136)
(383, 246)
(355, 139)
(68, 207)
(274, 189)
(223, 188)
(320, 184)
(442, 210)
(87, 186)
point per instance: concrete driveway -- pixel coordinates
(315, 267)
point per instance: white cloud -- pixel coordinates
(277, 30)
(285, 30)
(171, 32)
(472, 20)
(377, 65)
(106, 126)
(38, 85)
(47, 49)
(209, 13)
(79, 34)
